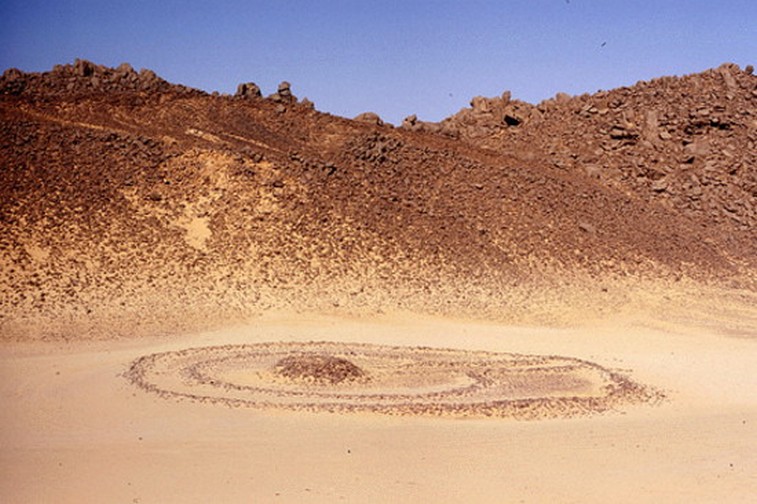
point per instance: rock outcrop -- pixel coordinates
(248, 90)
(86, 77)
(283, 94)
(688, 143)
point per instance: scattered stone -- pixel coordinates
(415, 186)
(124, 69)
(593, 171)
(699, 147)
(621, 133)
(12, 82)
(587, 228)
(660, 185)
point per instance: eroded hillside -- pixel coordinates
(131, 205)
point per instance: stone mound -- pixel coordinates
(318, 368)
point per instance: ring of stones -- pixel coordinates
(343, 377)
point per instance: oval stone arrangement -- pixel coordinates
(359, 377)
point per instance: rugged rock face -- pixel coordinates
(686, 143)
(126, 198)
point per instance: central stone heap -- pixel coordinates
(318, 368)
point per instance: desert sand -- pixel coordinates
(74, 429)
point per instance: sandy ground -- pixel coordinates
(72, 429)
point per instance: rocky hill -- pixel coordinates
(131, 205)
(687, 143)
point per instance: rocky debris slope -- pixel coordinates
(134, 209)
(688, 143)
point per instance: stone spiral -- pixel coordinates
(347, 377)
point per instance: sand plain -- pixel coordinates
(73, 429)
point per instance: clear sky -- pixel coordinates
(393, 57)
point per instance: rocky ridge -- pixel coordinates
(688, 143)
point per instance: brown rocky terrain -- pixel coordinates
(687, 143)
(133, 205)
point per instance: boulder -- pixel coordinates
(248, 90)
(370, 118)
(83, 68)
(284, 89)
(480, 104)
(725, 72)
(124, 69)
(410, 122)
(283, 93)
(562, 97)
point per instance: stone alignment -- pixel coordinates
(357, 377)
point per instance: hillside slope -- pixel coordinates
(132, 205)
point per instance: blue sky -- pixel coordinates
(391, 57)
